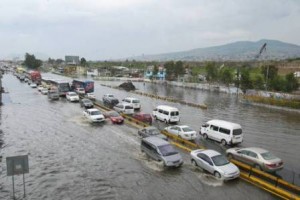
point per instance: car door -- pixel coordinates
(173, 130)
(204, 162)
(242, 155)
(252, 158)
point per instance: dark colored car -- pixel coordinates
(146, 118)
(114, 116)
(151, 131)
(86, 103)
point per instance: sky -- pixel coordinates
(113, 29)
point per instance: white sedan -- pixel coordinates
(94, 115)
(182, 131)
(91, 96)
(214, 163)
(72, 96)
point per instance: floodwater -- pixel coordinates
(71, 159)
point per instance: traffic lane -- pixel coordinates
(69, 157)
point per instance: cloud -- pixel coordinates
(99, 29)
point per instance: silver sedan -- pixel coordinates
(256, 157)
(214, 163)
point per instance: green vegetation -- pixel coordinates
(31, 62)
(275, 102)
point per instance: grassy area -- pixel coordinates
(274, 102)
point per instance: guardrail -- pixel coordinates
(170, 99)
(268, 182)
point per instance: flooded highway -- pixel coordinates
(71, 159)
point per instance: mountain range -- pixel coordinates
(237, 51)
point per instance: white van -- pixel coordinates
(222, 131)
(166, 114)
(134, 102)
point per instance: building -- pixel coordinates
(72, 60)
(161, 74)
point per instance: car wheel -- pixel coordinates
(223, 142)
(217, 175)
(205, 136)
(155, 117)
(229, 156)
(166, 121)
(194, 163)
(256, 166)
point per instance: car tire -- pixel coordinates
(155, 117)
(223, 142)
(205, 136)
(166, 121)
(229, 156)
(256, 166)
(194, 163)
(217, 175)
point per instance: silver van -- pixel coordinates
(161, 150)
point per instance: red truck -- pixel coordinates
(35, 76)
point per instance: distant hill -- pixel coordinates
(237, 51)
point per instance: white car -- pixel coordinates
(44, 91)
(72, 96)
(182, 131)
(214, 163)
(33, 85)
(134, 102)
(94, 115)
(40, 88)
(80, 90)
(124, 108)
(91, 96)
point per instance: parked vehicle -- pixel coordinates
(214, 163)
(182, 131)
(80, 91)
(161, 150)
(40, 88)
(110, 100)
(151, 131)
(94, 115)
(166, 114)
(257, 157)
(53, 93)
(44, 91)
(146, 118)
(34, 76)
(114, 116)
(222, 131)
(124, 108)
(86, 103)
(72, 96)
(134, 102)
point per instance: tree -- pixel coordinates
(83, 62)
(169, 66)
(277, 83)
(291, 83)
(179, 69)
(155, 71)
(226, 76)
(258, 82)
(269, 72)
(31, 62)
(245, 81)
(211, 71)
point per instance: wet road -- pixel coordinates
(72, 159)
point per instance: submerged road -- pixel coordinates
(71, 159)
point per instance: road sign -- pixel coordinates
(17, 165)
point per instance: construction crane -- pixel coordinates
(262, 49)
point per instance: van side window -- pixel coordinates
(174, 113)
(225, 131)
(215, 128)
(160, 111)
(166, 113)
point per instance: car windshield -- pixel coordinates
(95, 112)
(219, 160)
(72, 94)
(174, 113)
(135, 101)
(110, 95)
(153, 131)
(187, 129)
(167, 150)
(128, 107)
(113, 114)
(268, 156)
(237, 132)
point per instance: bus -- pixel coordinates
(87, 85)
(63, 86)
